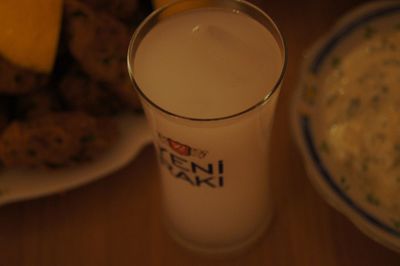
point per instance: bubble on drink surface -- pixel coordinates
(196, 28)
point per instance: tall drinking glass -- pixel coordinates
(208, 74)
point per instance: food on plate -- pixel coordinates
(63, 78)
(55, 140)
(15, 79)
(160, 3)
(360, 121)
(36, 104)
(99, 43)
(4, 112)
(181, 7)
(82, 93)
(29, 32)
(122, 9)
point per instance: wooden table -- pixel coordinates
(116, 221)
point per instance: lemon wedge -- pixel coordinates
(29, 32)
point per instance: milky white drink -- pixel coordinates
(203, 65)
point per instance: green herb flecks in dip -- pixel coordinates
(359, 118)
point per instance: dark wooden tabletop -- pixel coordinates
(116, 220)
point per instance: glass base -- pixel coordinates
(222, 251)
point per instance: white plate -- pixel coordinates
(349, 32)
(18, 185)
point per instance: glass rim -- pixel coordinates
(153, 16)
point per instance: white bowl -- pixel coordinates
(348, 33)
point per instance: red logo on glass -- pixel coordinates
(182, 149)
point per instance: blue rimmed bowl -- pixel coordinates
(349, 196)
